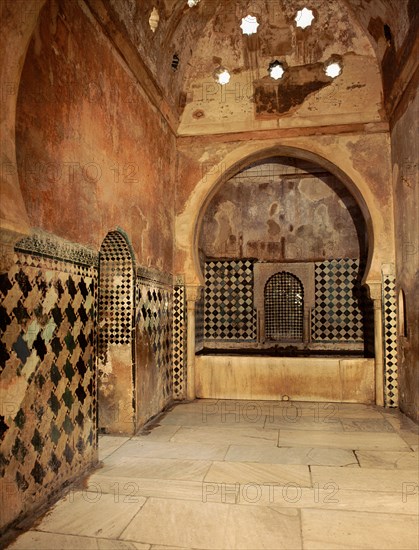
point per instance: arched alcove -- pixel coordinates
(285, 215)
(292, 215)
(115, 335)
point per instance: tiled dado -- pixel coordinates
(337, 316)
(229, 311)
(48, 383)
(179, 342)
(391, 391)
(230, 315)
(154, 299)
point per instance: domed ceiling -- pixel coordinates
(185, 45)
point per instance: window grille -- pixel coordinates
(284, 308)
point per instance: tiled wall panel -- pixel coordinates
(228, 312)
(337, 316)
(179, 342)
(199, 324)
(154, 333)
(48, 381)
(391, 391)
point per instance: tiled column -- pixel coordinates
(192, 295)
(375, 294)
(391, 391)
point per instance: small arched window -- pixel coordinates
(284, 307)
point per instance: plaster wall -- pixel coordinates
(405, 147)
(360, 160)
(92, 151)
(283, 211)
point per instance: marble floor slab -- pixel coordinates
(38, 540)
(410, 438)
(221, 419)
(158, 468)
(320, 412)
(157, 433)
(366, 425)
(132, 487)
(312, 476)
(292, 455)
(212, 526)
(109, 444)
(226, 435)
(388, 459)
(367, 479)
(257, 473)
(332, 530)
(87, 513)
(158, 449)
(343, 440)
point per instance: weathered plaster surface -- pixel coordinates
(92, 152)
(304, 92)
(17, 24)
(214, 164)
(405, 147)
(283, 211)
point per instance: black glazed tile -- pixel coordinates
(21, 349)
(5, 284)
(38, 473)
(72, 290)
(40, 347)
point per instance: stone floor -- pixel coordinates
(249, 475)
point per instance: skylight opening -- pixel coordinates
(154, 19)
(192, 3)
(276, 70)
(333, 69)
(249, 25)
(304, 18)
(222, 76)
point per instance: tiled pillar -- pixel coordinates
(192, 295)
(375, 294)
(389, 303)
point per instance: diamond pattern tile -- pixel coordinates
(179, 342)
(337, 316)
(391, 391)
(228, 311)
(154, 315)
(41, 300)
(116, 293)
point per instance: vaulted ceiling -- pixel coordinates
(182, 30)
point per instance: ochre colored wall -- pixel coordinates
(92, 151)
(405, 148)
